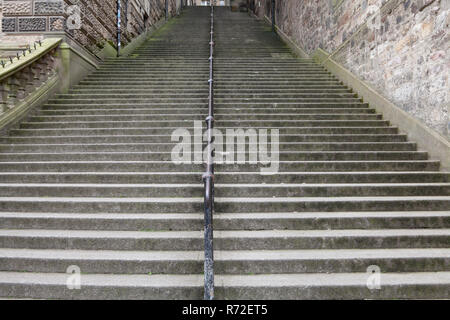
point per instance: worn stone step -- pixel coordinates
(169, 130)
(249, 107)
(230, 177)
(226, 262)
(168, 145)
(168, 166)
(101, 205)
(332, 286)
(292, 204)
(227, 221)
(145, 82)
(187, 96)
(283, 286)
(191, 205)
(225, 177)
(317, 99)
(238, 123)
(89, 90)
(224, 240)
(145, 287)
(223, 190)
(162, 100)
(220, 113)
(152, 154)
(201, 115)
(136, 139)
(148, 89)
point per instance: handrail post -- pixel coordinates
(118, 27)
(167, 9)
(208, 177)
(273, 17)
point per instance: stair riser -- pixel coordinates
(199, 88)
(247, 108)
(225, 123)
(222, 206)
(113, 206)
(167, 145)
(101, 292)
(201, 115)
(226, 267)
(138, 155)
(338, 292)
(169, 131)
(220, 114)
(129, 100)
(222, 191)
(221, 178)
(423, 291)
(169, 167)
(182, 244)
(201, 92)
(196, 223)
(126, 97)
(167, 138)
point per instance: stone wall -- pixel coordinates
(90, 22)
(401, 50)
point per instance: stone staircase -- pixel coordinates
(88, 181)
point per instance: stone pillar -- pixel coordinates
(4, 93)
(14, 85)
(65, 67)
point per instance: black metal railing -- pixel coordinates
(208, 177)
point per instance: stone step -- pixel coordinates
(237, 123)
(220, 113)
(152, 154)
(251, 205)
(154, 87)
(224, 240)
(126, 117)
(153, 96)
(227, 221)
(168, 166)
(225, 177)
(417, 285)
(53, 286)
(168, 146)
(292, 204)
(169, 130)
(89, 90)
(225, 262)
(169, 83)
(223, 190)
(137, 139)
(249, 107)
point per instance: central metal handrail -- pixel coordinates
(208, 177)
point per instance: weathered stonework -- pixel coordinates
(49, 7)
(405, 57)
(56, 23)
(32, 24)
(9, 24)
(98, 19)
(17, 8)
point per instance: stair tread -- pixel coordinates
(221, 255)
(272, 280)
(220, 234)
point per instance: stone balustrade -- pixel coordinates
(26, 74)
